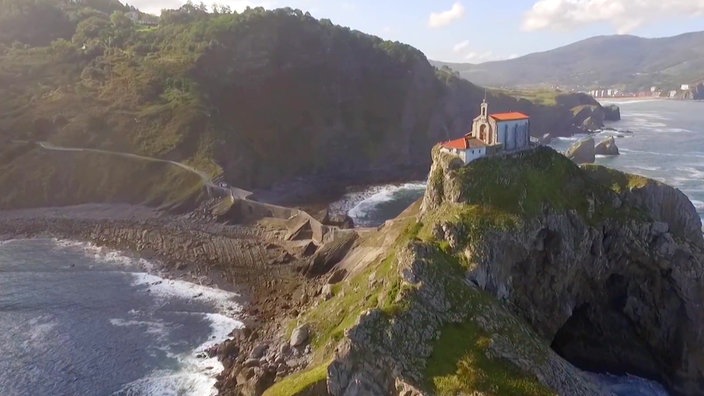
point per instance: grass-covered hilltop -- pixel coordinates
(509, 275)
(257, 97)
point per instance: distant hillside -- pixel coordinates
(258, 97)
(634, 63)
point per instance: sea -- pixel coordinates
(76, 319)
(659, 139)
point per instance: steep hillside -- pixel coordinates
(259, 97)
(634, 63)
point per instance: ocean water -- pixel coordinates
(371, 206)
(660, 139)
(80, 320)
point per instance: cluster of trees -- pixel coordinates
(254, 80)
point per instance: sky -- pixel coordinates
(475, 31)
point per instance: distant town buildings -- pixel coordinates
(491, 134)
(654, 91)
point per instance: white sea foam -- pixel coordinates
(699, 205)
(385, 194)
(676, 130)
(103, 254)
(195, 376)
(628, 101)
(223, 300)
(156, 328)
(691, 172)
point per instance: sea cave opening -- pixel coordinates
(600, 337)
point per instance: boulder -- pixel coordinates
(582, 151)
(258, 351)
(340, 220)
(331, 253)
(327, 292)
(606, 147)
(300, 335)
(588, 117)
(612, 113)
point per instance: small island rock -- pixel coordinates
(612, 113)
(606, 147)
(582, 152)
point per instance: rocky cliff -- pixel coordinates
(510, 275)
(606, 266)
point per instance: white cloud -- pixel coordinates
(624, 15)
(460, 46)
(444, 18)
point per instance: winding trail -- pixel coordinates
(234, 192)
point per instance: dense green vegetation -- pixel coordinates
(258, 96)
(629, 62)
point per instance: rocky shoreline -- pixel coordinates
(262, 261)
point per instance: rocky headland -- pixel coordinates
(510, 276)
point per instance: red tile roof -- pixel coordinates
(460, 144)
(512, 116)
(463, 143)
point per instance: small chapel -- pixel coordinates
(491, 134)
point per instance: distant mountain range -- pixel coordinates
(620, 61)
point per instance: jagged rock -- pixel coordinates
(331, 253)
(258, 351)
(582, 152)
(251, 362)
(337, 276)
(255, 381)
(588, 117)
(300, 335)
(606, 147)
(326, 291)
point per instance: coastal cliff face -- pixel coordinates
(512, 273)
(605, 266)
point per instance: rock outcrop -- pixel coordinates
(383, 356)
(606, 266)
(612, 113)
(606, 147)
(582, 151)
(588, 117)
